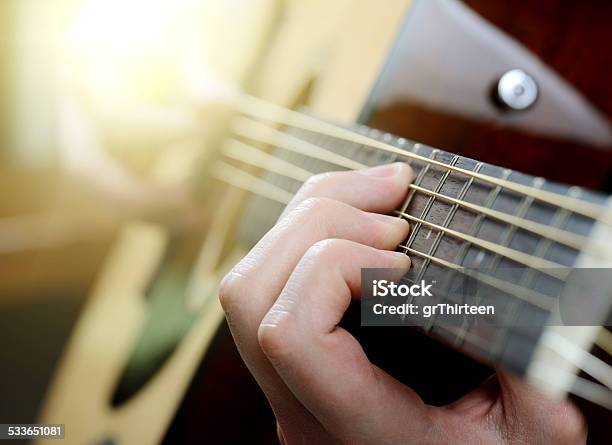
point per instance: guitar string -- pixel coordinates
(245, 152)
(261, 109)
(545, 266)
(239, 178)
(279, 139)
(574, 354)
(522, 293)
(581, 387)
(548, 267)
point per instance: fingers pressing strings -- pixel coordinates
(264, 160)
(246, 298)
(258, 132)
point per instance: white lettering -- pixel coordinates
(383, 288)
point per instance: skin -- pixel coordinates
(284, 301)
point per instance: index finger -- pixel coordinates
(373, 189)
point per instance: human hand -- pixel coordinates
(284, 301)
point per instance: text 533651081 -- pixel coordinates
(31, 431)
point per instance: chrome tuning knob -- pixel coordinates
(515, 90)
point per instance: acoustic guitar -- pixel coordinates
(484, 104)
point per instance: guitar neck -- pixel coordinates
(443, 203)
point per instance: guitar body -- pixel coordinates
(575, 53)
(197, 389)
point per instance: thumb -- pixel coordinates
(522, 409)
(512, 411)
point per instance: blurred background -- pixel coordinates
(93, 93)
(109, 113)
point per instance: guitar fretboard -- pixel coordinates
(433, 249)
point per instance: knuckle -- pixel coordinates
(274, 333)
(273, 340)
(230, 288)
(316, 181)
(326, 250)
(316, 205)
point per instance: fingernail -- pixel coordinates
(400, 257)
(387, 219)
(386, 170)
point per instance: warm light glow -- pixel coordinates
(135, 48)
(129, 27)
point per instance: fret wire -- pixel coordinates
(393, 158)
(567, 238)
(521, 293)
(414, 229)
(258, 108)
(476, 225)
(389, 138)
(526, 280)
(418, 181)
(559, 235)
(514, 308)
(493, 193)
(445, 223)
(510, 229)
(425, 212)
(530, 296)
(561, 216)
(548, 267)
(460, 196)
